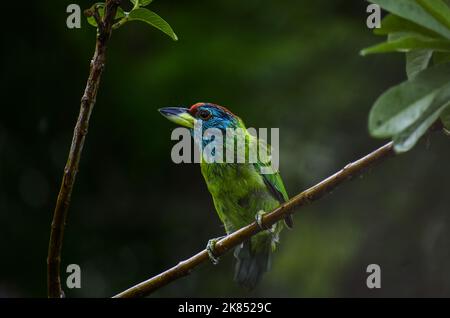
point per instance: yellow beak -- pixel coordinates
(178, 115)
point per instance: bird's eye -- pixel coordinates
(204, 114)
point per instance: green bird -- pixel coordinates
(240, 191)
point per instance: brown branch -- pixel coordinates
(76, 148)
(314, 193)
(95, 13)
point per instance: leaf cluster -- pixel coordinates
(421, 30)
(137, 13)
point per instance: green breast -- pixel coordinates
(238, 191)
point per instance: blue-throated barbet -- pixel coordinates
(240, 191)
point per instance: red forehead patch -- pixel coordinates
(194, 108)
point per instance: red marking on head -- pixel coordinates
(194, 108)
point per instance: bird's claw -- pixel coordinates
(210, 248)
(259, 221)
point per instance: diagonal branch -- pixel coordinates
(312, 194)
(76, 148)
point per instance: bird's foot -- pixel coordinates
(259, 221)
(210, 248)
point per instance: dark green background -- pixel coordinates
(287, 64)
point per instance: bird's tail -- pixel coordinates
(253, 259)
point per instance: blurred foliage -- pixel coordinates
(134, 213)
(421, 29)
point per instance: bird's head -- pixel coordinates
(210, 115)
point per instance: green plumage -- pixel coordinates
(239, 190)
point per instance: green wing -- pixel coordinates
(276, 186)
(274, 183)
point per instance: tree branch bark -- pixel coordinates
(76, 148)
(222, 246)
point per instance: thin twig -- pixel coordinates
(76, 148)
(314, 193)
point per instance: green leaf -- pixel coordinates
(445, 117)
(401, 105)
(101, 10)
(395, 24)
(406, 140)
(142, 3)
(417, 61)
(397, 36)
(153, 19)
(412, 11)
(438, 9)
(408, 43)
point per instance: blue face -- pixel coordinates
(213, 116)
(210, 116)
